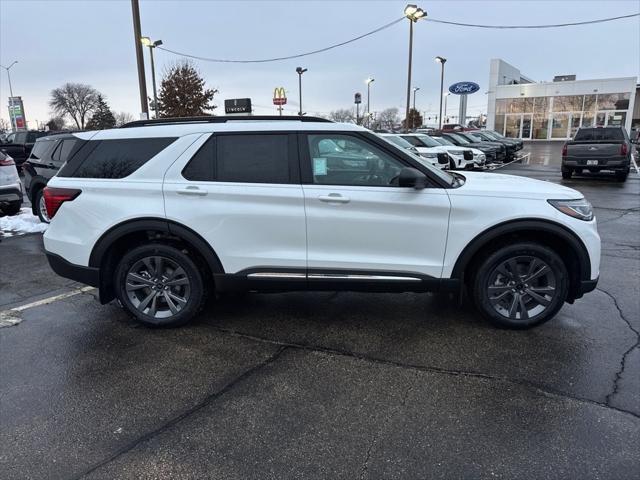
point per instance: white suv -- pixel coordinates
(164, 212)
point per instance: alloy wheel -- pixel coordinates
(521, 287)
(42, 206)
(157, 286)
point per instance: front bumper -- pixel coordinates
(87, 275)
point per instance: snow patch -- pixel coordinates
(23, 222)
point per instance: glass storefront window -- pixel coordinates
(512, 126)
(590, 103)
(540, 122)
(528, 105)
(575, 123)
(560, 125)
(600, 118)
(515, 105)
(541, 104)
(613, 101)
(587, 119)
(616, 119)
(501, 106)
(499, 125)
(567, 103)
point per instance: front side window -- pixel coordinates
(356, 162)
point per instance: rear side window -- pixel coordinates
(259, 158)
(40, 148)
(113, 158)
(64, 149)
(595, 134)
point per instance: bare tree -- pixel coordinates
(122, 118)
(4, 125)
(388, 118)
(75, 100)
(55, 123)
(344, 115)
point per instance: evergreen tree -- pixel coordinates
(102, 117)
(183, 92)
(415, 119)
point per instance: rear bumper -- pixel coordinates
(603, 163)
(87, 275)
(10, 194)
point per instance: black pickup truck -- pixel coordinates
(18, 145)
(597, 149)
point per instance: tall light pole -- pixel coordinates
(300, 71)
(11, 117)
(142, 84)
(147, 42)
(413, 14)
(415, 89)
(442, 61)
(369, 81)
(446, 95)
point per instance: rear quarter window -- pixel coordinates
(40, 148)
(113, 158)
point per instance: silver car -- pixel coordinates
(10, 186)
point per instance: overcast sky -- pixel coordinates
(92, 42)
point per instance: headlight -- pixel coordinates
(580, 209)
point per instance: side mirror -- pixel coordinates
(410, 177)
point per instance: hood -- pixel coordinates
(512, 186)
(441, 149)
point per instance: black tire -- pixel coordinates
(12, 208)
(488, 279)
(128, 293)
(40, 209)
(622, 176)
(566, 173)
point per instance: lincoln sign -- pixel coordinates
(464, 88)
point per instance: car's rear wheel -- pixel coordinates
(159, 285)
(566, 173)
(41, 207)
(621, 176)
(520, 286)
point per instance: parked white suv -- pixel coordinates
(459, 157)
(162, 213)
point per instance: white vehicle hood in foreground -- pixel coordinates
(511, 186)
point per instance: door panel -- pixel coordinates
(247, 224)
(377, 228)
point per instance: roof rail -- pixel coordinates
(221, 119)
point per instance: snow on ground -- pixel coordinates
(24, 222)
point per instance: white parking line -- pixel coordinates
(11, 317)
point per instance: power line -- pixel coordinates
(277, 59)
(390, 24)
(555, 25)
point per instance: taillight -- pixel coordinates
(5, 162)
(54, 197)
(564, 150)
(624, 149)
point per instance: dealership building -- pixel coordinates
(520, 107)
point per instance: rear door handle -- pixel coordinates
(334, 198)
(192, 191)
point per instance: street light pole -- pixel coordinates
(147, 41)
(446, 95)
(369, 81)
(11, 117)
(300, 71)
(413, 14)
(142, 84)
(442, 61)
(415, 89)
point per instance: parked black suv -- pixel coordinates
(509, 148)
(18, 145)
(512, 144)
(497, 149)
(47, 156)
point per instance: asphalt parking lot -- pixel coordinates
(326, 385)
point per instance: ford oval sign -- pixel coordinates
(464, 88)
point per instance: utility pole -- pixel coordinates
(11, 116)
(144, 106)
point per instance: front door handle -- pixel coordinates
(334, 198)
(191, 191)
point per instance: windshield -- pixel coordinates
(401, 142)
(458, 138)
(496, 134)
(443, 141)
(491, 135)
(421, 141)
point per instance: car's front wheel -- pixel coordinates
(159, 285)
(520, 286)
